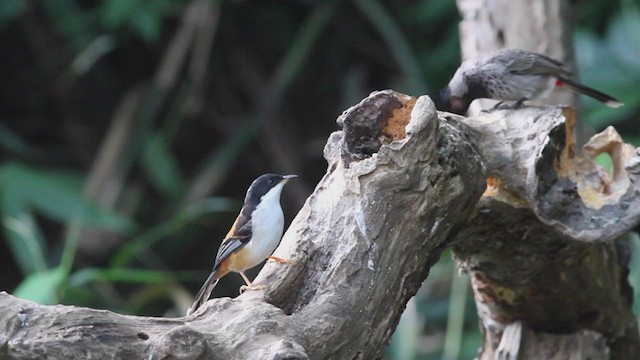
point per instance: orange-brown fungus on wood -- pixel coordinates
(493, 186)
(497, 190)
(394, 129)
(569, 150)
(563, 165)
(377, 120)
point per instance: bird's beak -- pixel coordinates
(286, 178)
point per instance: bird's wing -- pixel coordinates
(237, 237)
(527, 63)
(228, 247)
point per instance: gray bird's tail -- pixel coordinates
(204, 293)
(583, 89)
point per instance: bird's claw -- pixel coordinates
(244, 288)
(497, 106)
(504, 106)
(278, 260)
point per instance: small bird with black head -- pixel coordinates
(253, 236)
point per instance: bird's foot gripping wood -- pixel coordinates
(506, 106)
(277, 260)
(249, 285)
(244, 288)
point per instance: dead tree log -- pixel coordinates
(402, 185)
(549, 279)
(399, 181)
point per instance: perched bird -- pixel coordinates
(509, 74)
(253, 236)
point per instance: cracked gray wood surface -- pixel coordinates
(544, 249)
(364, 241)
(395, 195)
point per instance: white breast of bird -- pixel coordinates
(267, 224)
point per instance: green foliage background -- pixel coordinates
(130, 129)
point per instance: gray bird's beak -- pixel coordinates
(289, 177)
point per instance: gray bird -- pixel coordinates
(510, 75)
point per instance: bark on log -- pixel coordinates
(364, 242)
(403, 184)
(541, 251)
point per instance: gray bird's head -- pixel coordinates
(267, 187)
(445, 101)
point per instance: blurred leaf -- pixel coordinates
(633, 239)
(599, 115)
(92, 53)
(41, 287)
(78, 25)
(23, 235)
(117, 12)
(216, 166)
(632, 139)
(9, 9)
(624, 37)
(147, 24)
(58, 195)
(14, 143)
(397, 42)
(144, 18)
(87, 275)
(427, 11)
(404, 342)
(605, 161)
(162, 167)
(293, 61)
(184, 217)
(611, 66)
(455, 318)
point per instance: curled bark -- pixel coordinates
(402, 184)
(543, 251)
(399, 181)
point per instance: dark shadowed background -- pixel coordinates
(131, 129)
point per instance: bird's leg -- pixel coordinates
(249, 285)
(496, 106)
(519, 103)
(499, 105)
(513, 106)
(278, 260)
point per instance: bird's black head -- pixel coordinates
(453, 104)
(441, 99)
(263, 184)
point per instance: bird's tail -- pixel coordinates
(583, 89)
(204, 293)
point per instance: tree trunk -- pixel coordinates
(544, 256)
(553, 206)
(402, 185)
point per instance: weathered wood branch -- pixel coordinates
(399, 181)
(402, 185)
(541, 251)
